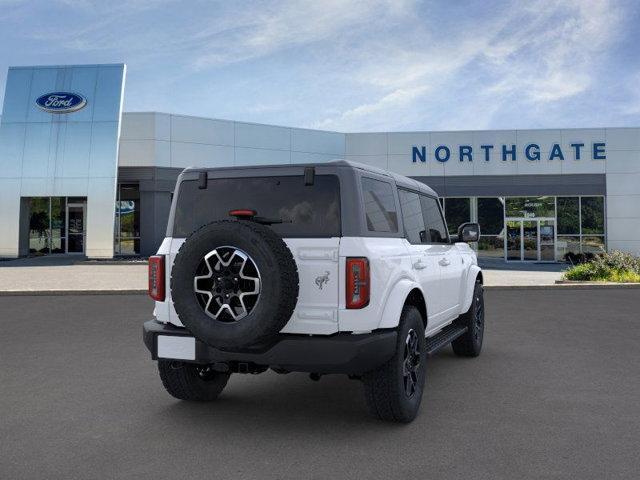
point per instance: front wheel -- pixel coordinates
(187, 381)
(470, 344)
(394, 390)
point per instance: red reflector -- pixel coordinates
(242, 212)
(358, 282)
(156, 277)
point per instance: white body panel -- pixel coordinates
(444, 274)
(317, 308)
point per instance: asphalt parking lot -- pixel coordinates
(554, 395)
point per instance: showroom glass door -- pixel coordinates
(513, 240)
(530, 240)
(76, 220)
(547, 229)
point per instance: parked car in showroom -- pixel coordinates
(326, 268)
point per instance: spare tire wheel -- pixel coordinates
(234, 284)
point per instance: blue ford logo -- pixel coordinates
(61, 102)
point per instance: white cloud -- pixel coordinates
(398, 98)
(286, 24)
(534, 55)
(550, 57)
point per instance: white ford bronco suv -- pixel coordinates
(324, 268)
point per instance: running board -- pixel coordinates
(443, 338)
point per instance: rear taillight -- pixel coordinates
(358, 282)
(156, 277)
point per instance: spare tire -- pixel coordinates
(234, 284)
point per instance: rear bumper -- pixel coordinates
(340, 353)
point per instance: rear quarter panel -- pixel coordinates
(389, 264)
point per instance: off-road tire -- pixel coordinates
(187, 381)
(470, 343)
(384, 387)
(279, 284)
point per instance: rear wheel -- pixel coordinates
(394, 390)
(187, 381)
(470, 344)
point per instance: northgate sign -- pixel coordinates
(531, 152)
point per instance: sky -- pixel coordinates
(351, 66)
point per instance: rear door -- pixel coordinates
(424, 257)
(445, 254)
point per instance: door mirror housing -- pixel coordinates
(468, 232)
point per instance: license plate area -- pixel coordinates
(177, 348)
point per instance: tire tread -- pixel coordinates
(383, 394)
(464, 345)
(183, 383)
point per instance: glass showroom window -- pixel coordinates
(457, 211)
(39, 225)
(592, 223)
(58, 225)
(47, 225)
(491, 220)
(530, 207)
(127, 228)
(568, 226)
(580, 225)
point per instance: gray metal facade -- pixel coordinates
(517, 185)
(156, 185)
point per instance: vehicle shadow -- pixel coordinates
(287, 403)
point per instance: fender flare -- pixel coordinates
(472, 275)
(395, 302)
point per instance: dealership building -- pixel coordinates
(80, 176)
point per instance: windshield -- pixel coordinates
(305, 210)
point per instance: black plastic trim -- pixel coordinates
(346, 353)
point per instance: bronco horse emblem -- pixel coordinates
(322, 279)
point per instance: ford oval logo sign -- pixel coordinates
(61, 102)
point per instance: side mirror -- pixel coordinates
(469, 232)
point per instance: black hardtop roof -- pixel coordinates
(400, 180)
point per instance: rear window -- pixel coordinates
(305, 210)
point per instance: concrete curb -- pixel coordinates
(564, 286)
(21, 293)
(581, 282)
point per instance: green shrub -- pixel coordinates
(615, 266)
(582, 271)
(624, 277)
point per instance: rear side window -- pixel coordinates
(412, 217)
(436, 230)
(305, 210)
(379, 206)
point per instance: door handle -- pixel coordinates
(444, 262)
(419, 265)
